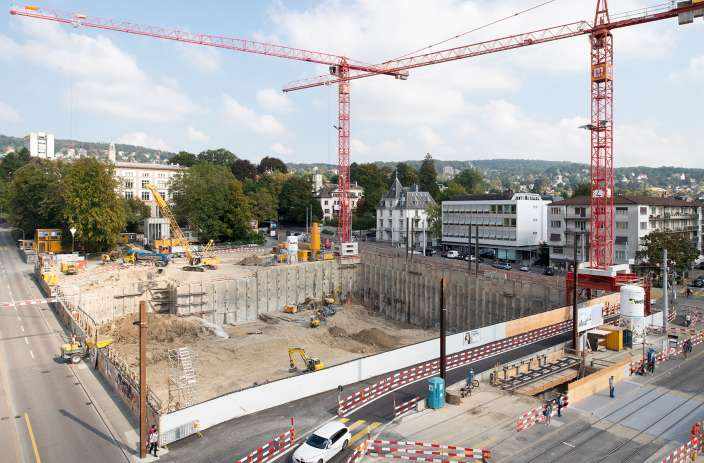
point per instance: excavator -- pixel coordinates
(311, 363)
(197, 262)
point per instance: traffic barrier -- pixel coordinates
(457, 360)
(271, 449)
(405, 407)
(697, 337)
(7, 305)
(535, 415)
(424, 451)
(359, 452)
(683, 453)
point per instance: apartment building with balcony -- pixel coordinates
(634, 218)
(403, 209)
(511, 225)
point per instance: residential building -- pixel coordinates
(511, 225)
(400, 209)
(329, 196)
(133, 178)
(634, 218)
(112, 153)
(40, 145)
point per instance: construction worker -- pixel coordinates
(560, 403)
(612, 389)
(696, 429)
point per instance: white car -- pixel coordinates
(452, 254)
(323, 444)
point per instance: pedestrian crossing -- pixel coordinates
(359, 428)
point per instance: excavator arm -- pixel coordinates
(175, 229)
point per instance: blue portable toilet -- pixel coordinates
(436, 393)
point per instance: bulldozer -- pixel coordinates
(311, 363)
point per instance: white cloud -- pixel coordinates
(106, 79)
(281, 149)
(205, 59)
(196, 135)
(265, 124)
(274, 100)
(358, 146)
(429, 137)
(8, 113)
(694, 72)
(142, 139)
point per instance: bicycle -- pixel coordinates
(466, 390)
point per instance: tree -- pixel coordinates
(270, 164)
(680, 250)
(374, 180)
(435, 220)
(34, 197)
(428, 177)
(135, 213)
(471, 180)
(211, 199)
(265, 204)
(407, 174)
(242, 169)
(91, 204)
(296, 196)
(219, 156)
(12, 162)
(539, 185)
(582, 189)
(184, 158)
(452, 191)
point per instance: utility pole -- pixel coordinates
(443, 334)
(411, 239)
(469, 248)
(476, 250)
(575, 309)
(665, 299)
(408, 232)
(142, 378)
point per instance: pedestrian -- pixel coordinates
(696, 429)
(688, 292)
(153, 440)
(611, 387)
(688, 320)
(560, 404)
(548, 413)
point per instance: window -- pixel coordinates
(129, 184)
(556, 223)
(644, 225)
(145, 183)
(622, 225)
(620, 255)
(145, 196)
(580, 211)
(555, 210)
(621, 210)
(557, 250)
(513, 222)
(554, 237)
(128, 195)
(643, 210)
(325, 202)
(622, 240)
(513, 208)
(493, 209)
(145, 174)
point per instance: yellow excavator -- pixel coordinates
(311, 363)
(197, 262)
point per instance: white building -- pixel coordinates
(112, 153)
(329, 196)
(634, 218)
(40, 145)
(511, 226)
(133, 178)
(399, 207)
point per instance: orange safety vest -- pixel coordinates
(696, 429)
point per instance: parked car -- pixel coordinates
(323, 444)
(430, 252)
(698, 282)
(503, 265)
(470, 258)
(524, 268)
(452, 254)
(549, 271)
(700, 265)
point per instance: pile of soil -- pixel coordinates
(376, 337)
(337, 332)
(161, 329)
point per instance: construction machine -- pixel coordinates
(196, 261)
(69, 268)
(311, 363)
(76, 349)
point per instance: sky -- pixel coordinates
(107, 86)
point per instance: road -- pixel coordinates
(46, 415)
(231, 440)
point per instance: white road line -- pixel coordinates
(18, 317)
(26, 341)
(22, 328)
(31, 353)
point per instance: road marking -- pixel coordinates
(22, 328)
(356, 424)
(343, 420)
(569, 445)
(31, 353)
(26, 341)
(364, 432)
(37, 458)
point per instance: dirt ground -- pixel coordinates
(257, 352)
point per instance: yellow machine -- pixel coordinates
(290, 309)
(196, 261)
(314, 322)
(69, 268)
(311, 363)
(209, 259)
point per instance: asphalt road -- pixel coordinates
(45, 414)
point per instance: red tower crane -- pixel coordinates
(340, 67)
(601, 274)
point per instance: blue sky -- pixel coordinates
(106, 86)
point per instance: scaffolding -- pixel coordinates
(182, 378)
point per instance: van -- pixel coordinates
(452, 254)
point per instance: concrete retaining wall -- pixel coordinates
(598, 381)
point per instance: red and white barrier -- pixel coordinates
(272, 449)
(359, 452)
(7, 305)
(405, 407)
(457, 360)
(535, 415)
(683, 453)
(424, 451)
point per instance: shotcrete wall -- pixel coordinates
(410, 292)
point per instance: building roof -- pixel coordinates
(407, 197)
(630, 200)
(328, 189)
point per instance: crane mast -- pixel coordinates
(175, 228)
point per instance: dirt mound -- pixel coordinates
(337, 332)
(376, 337)
(161, 328)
